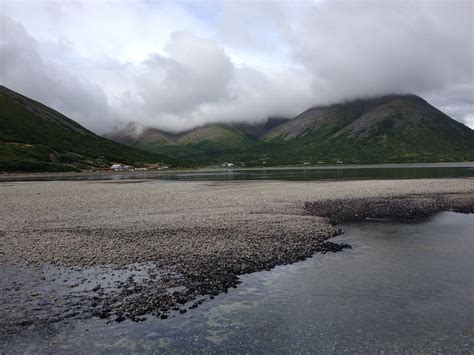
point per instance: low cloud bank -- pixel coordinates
(234, 62)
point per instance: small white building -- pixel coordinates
(121, 167)
(117, 167)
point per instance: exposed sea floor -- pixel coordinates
(402, 288)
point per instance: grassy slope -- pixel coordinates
(34, 137)
(212, 144)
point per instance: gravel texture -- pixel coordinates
(408, 208)
(191, 240)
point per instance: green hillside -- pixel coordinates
(211, 144)
(33, 137)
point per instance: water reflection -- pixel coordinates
(337, 172)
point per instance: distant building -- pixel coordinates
(121, 167)
(157, 166)
(117, 167)
(229, 165)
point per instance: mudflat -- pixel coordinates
(187, 240)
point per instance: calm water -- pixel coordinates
(334, 172)
(403, 288)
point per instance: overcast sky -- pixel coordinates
(176, 65)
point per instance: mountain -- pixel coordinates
(34, 137)
(208, 144)
(133, 135)
(227, 134)
(391, 128)
(258, 130)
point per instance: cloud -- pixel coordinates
(196, 72)
(196, 82)
(457, 100)
(354, 48)
(23, 69)
(177, 65)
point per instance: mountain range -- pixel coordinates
(391, 128)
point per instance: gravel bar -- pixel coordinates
(178, 242)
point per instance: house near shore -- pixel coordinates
(156, 166)
(121, 167)
(228, 165)
(117, 167)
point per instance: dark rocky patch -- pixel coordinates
(186, 266)
(406, 208)
(199, 278)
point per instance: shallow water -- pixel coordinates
(309, 173)
(401, 288)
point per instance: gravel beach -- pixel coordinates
(177, 242)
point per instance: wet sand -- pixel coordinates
(192, 239)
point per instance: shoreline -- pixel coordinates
(198, 238)
(105, 175)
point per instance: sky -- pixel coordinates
(176, 65)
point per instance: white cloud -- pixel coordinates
(468, 120)
(196, 72)
(355, 48)
(23, 69)
(196, 82)
(177, 65)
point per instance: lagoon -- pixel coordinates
(402, 288)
